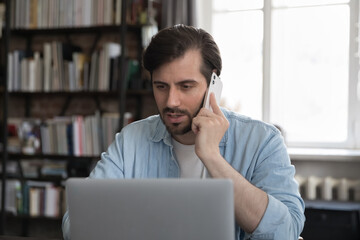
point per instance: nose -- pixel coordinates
(174, 97)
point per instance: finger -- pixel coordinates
(194, 125)
(205, 113)
(214, 105)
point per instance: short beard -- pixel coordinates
(175, 130)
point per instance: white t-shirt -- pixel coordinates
(189, 163)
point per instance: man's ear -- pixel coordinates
(216, 71)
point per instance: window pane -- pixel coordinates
(297, 3)
(240, 45)
(233, 5)
(309, 80)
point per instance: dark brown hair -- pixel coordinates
(172, 43)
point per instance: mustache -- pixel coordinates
(174, 110)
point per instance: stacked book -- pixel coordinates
(71, 135)
(63, 67)
(35, 199)
(30, 14)
(43, 168)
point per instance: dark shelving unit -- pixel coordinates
(74, 30)
(121, 94)
(5, 97)
(111, 94)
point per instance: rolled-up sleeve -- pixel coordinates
(278, 222)
(284, 216)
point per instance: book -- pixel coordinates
(79, 62)
(96, 134)
(43, 199)
(118, 12)
(33, 14)
(45, 14)
(88, 146)
(94, 71)
(38, 72)
(45, 137)
(66, 135)
(86, 12)
(13, 188)
(110, 125)
(47, 70)
(10, 79)
(52, 201)
(78, 126)
(19, 55)
(100, 12)
(31, 168)
(115, 73)
(108, 12)
(39, 15)
(55, 81)
(110, 51)
(34, 202)
(54, 168)
(86, 77)
(24, 74)
(31, 69)
(72, 73)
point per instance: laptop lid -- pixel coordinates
(152, 209)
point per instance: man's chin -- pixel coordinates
(175, 129)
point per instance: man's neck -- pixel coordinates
(186, 139)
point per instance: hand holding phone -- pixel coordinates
(215, 86)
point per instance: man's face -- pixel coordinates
(179, 89)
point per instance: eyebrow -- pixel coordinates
(191, 81)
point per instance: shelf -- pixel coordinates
(139, 92)
(21, 216)
(322, 154)
(73, 30)
(14, 156)
(332, 205)
(38, 179)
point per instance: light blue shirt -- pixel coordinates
(255, 149)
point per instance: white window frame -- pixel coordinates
(353, 139)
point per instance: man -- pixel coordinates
(185, 139)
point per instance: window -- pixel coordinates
(293, 63)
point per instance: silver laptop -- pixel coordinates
(152, 209)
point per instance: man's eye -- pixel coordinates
(186, 86)
(160, 86)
